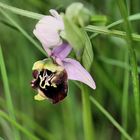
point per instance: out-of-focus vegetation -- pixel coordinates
(63, 121)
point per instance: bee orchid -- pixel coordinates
(51, 75)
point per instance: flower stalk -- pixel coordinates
(87, 115)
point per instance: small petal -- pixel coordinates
(77, 72)
(62, 51)
(47, 30)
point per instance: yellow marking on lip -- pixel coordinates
(54, 85)
(40, 96)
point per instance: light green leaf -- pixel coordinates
(87, 57)
(74, 36)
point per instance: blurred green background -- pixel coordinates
(63, 121)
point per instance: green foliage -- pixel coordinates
(87, 57)
(1, 138)
(110, 69)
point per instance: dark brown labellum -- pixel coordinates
(52, 84)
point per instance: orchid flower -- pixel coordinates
(51, 75)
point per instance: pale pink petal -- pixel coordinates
(77, 72)
(47, 30)
(62, 51)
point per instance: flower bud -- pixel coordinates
(78, 14)
(50, 80)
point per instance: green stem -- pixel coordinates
(105, 30)
(9, 103)
(110, 118)
(68, 119)
(125, 95)
(133, 63)
(131, 18)
(87, 115)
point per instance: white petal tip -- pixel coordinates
(54, 13)
(94, 87)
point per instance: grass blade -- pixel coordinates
(8, 97)
(105, 30)
(21, 12)
(110, 118)
(131, 18)
(133, 62)
(18, 126)
(117, 63)
(23, 32)
(125, 95)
